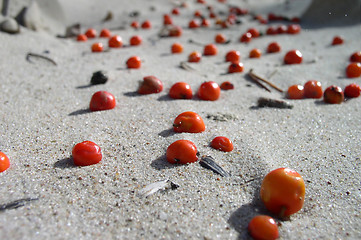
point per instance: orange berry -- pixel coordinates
(150, 84)
(293, 29)
(209, 91)
(135, 40)
(205, 22)
(177, 48)
(182, 152)
(293, 57)
(356, 57)
(167, 20)
(337, 40)
(222, 144)
(255, 53)
(175, 11)
(286, 200)
(226, 85)
(235, 67)
(134, 62)
(233, 56)
(102, 100)
(86, 153)
(91, 33)
(146, 24)
(81, 38)
(333, 95)
(271, 31)
(181, 90)
(295, 92)
(194, 56)
(115, 42)
(353, 70)
(97, 47)
(175, 31)
(273, 47)
(263, 227)
(189, 122)
(193, 24)
(220, 38)
(4, 162)
(312, 89)
(210, 50)
(135, 24)
(105, 33)
(352, 91)
(197, 13)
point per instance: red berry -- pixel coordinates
(177, 48)
(220, 38)
(263, 227)
(81, 38)
(189, 122)
(175, 11)
(333, 95)
(226, 85)
(134, 62)
(210, 50)
(86, 153)
(233, 56)
(135, 24)
(105, 33)
(246, 38)
(150, 85)
(353, 70)
(115, 42)
(235, 67)
(194, 57)
(281, 29)
(205, 22)
(295, 92)
(293, 57)
(167, 20)
(286, 200)
(146, 24)
(255, 53)
(97, 47)
(222, 144)
(193, 24)
(337, 40)
(182, 152)
(273, 47)
(293, 29)
(254, 32)
(135, 40)
(4, 162)
(175, 31)
(181, 90)
(352, 91)
(209, 91)
(102, 100)
(271, 31)
(356, 57)
(91, 33)
(313, 89)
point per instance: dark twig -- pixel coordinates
(29, 55)
(256, 80)
(16, 204)
(254, 76)
(186, 66)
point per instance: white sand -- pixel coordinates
(42, 119)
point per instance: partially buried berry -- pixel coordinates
(226, 85)
(263, 227)
(333, 95)
(99, 77)
(150, 85)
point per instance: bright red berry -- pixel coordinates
(333, 95)
(356, 57)
(226, 85)
(97, 47)
(4, 162)
(352, 91)
(134, 62)
(135, 40)
(353, 70)
(222, 144)
(194, 56)
(102, 100)
(281, 29)
(81, 38)
(293, 29)
(115, 42)
(182, 152)
(220, 38)
(337, 40)
(209, 91)
(246, 37)
(189, 122)
(254, 32)
(175, 11)
(210, 50)
(181, 90)
(146, 24)
(312, 89)
(286, 200)
(175, 31)
(91, 33)
(167, 20)
(235, 67)
(295, 92)
(293, 57)
(233, 56)
(255, 53)
(205, 22)
(86, 153)
(177, 48)
(135, 24)
(263, 227)
(105, 33)
(271, 31)
(150, 85)
(193, 24)
(273, 47)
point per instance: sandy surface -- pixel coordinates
(44, 114)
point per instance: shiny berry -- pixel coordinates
(134, 62)
(4, 162)
(226, 85)
(205, 22)
(271, 31)
(222, 144)
(254, 32)
(150, 85)
(193, 24)
(102, 100)
(353, 70)
(273, 47)
(293, 57)
(91, 33)
(81, 38)
(210, 50)
(235, 67)
(105, 33)
(175, 11)
(281, 29)
(177, 48)
(175, 31)
(135, 40)
(255, 53)
(233, 56)
(293, 29)
(295, 92)
(337, 40)
(182, 152)
(283, 192)
(209, 91)
(97, 47)
(167, 20)
(189, 122)
(194, 56)
(356, 57)
(352, 91)
(333, 95)
(86, 153)
(115, 42)
(181, 90)
(246, 37)
(263, 227)
(312, 89)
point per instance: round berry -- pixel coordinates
(194, 56)
(134, 62)
(235, 67)
(352, 91)
(295, 92)
(273, 47)
(293, 29)
(312, 89)
(102, 100)
(293, 57)
(337, 40)
(222, 144)
(189, 122)
(97, 47)
(356, 57)
(205, 22)
(150, 85)
(167, 20)
(246, 37)
(146, 24)
(353, 70)
(81, 38)
(220, 38)
(254, 32)
(226, 85)
(135, 24)
(333, 95)
(115, 42)
(286, 200)
(182, 152)
(209, 91)
(233, 56)
(175, 31)
(4, 162)
(105, 33)
(135, 40)
(86, 153)
(193, 24)
(210, 50)
(263, 227)
(281, 29)
(271, 31)
(177, 48)
(255, 53)
(181, 90)
(91, 33)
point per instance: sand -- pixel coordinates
(44, 114)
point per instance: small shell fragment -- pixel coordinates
(152, 188)
(209, 163)
(274, 103)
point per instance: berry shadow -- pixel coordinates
(131, 94)
(65, 163)
(161, 163)
(167, 133)
(84, 86)
(80, 112)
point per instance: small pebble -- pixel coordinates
(99, 77)
(10, 25)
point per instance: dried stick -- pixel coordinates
(39, 56)
(253, 75)
(256, 80)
